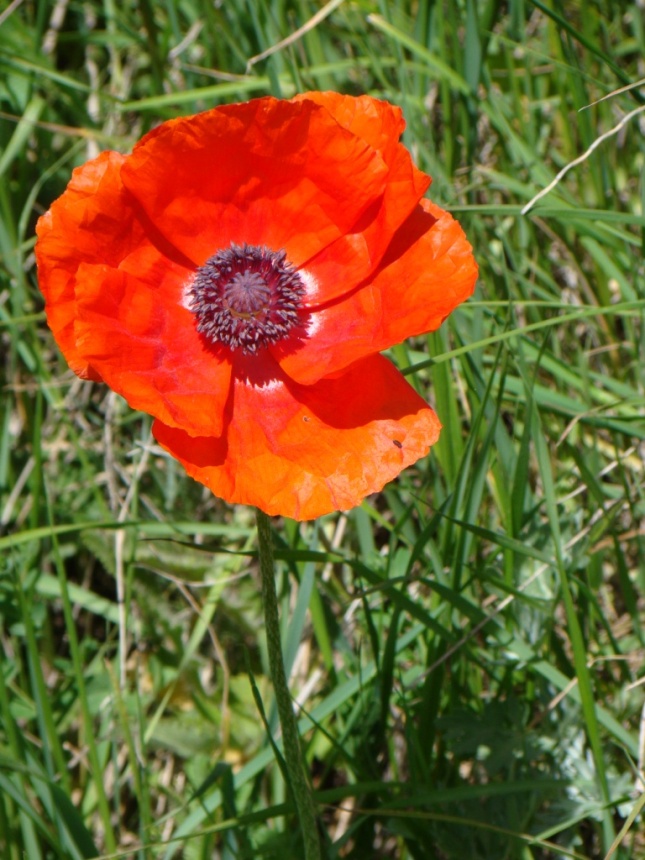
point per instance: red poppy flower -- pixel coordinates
(236, 277)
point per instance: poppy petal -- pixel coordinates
(142, 340)
(305, 451)
(427, 271)
(343, 264)
(91, 222)
(267, 172)
(378, 123)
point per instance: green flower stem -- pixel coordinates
(300, 787)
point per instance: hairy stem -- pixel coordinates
(300, 787)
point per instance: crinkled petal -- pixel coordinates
(343, 264)
(115, 303)
(301, 451)
(428, 270)
(91, 222)
(322, 176)
(267, 172)
(136, 332)
(378, 123)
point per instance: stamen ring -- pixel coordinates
(246, 297)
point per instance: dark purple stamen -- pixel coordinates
(246, 297)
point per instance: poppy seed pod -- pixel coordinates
(236, 277)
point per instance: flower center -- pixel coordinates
(246, 297)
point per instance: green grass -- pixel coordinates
(468, 645)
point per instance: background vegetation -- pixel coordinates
(467, 647)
